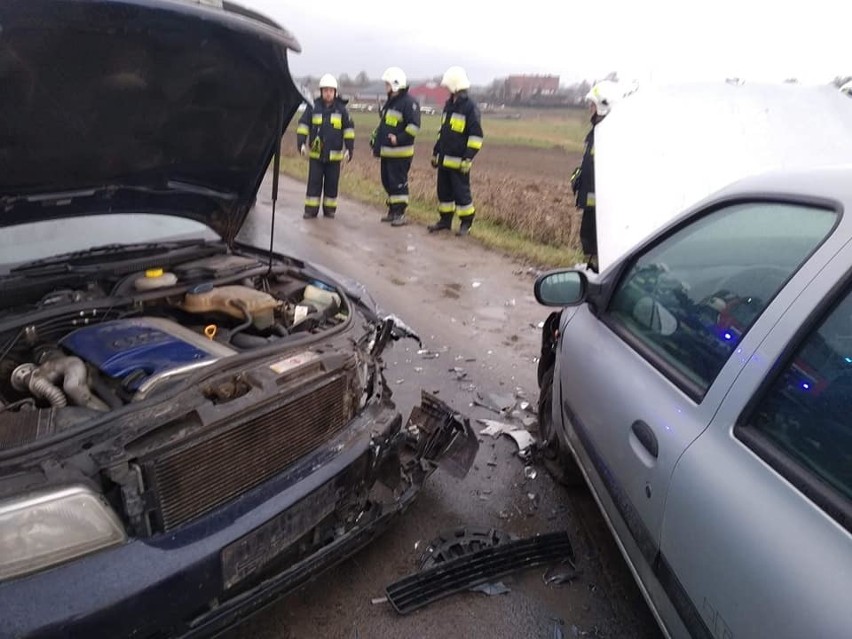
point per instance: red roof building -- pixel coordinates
(430, 94)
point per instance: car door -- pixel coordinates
(638, 376)
(756, 534)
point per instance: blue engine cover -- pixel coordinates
(132, 350)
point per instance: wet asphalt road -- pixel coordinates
(475, 309)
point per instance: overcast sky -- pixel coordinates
(656, 40)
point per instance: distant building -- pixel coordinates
(430, 94)
(524, 87)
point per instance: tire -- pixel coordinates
(559, 461)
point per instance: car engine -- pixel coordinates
(118, 340)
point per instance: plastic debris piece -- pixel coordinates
(476, 284)
(495, 428)
(523, 439)
(473, 569)
(530, 472)
(529, 422)
(378, 600)
(498, 588)
(418, 369)
(510, 302)
(559, 574)
(400, 381)
(495, 402)
(410, 248)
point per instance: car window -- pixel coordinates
(805, 412)
(687, 302)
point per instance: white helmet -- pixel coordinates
(395, 77)
(455, 79)
(847, 88)
(602, 95)
(328, 81)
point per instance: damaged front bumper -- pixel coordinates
(208, 575)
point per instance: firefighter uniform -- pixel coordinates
(585, 192)
(459, 140)
(400, 116)
(328, 133)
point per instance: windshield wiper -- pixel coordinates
(68, 262)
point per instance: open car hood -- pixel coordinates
(664, 148)
(166, 106)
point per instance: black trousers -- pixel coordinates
(454, 194)
(395, 182)
(323, 180)
(589, 232)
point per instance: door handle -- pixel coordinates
(646, 437)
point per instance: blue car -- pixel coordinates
(189, 426)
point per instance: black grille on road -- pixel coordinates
(202, 475)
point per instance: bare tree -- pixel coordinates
(362, 79)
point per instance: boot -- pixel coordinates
(466, 223)
(443, 224)
(388, 217)
(399, 220)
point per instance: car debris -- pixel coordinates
(473, 569)
(501, 404)
(497, 588)
(559, 574)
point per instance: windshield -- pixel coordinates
(28, 242)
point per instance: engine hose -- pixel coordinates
(249, 319)
(102, 390)
(75, 381)
(26, 377)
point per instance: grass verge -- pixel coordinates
(422, 210)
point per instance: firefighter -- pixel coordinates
(325, 135)
(459, 140)
(600, 100)
(393, 142)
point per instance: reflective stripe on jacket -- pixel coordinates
(400, 116)
(460, 137)
(326, 129)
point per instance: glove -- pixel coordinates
(465, 166)
(347, 155)
(373, 138)
(434, 161)
(303, 150)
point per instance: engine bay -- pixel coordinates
(121, 337)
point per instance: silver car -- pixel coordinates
(702, 388)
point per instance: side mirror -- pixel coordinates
(561, 288)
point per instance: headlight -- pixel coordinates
(48, 528)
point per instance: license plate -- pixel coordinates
(258, 548)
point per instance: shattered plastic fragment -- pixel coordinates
(418, 369)
(560, 574)
(400, 381)
(498, 588)
(495, 428)
(530, 472)
(476, 284)
(378, 600)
